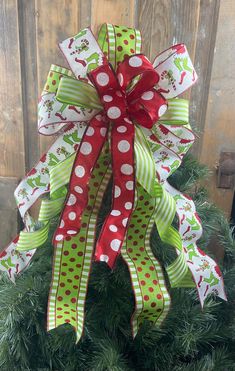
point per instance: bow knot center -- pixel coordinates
(130, 94)
(115, 104)
(112, 96)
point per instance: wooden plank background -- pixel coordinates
(30, 31)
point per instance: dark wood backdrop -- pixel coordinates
(29, 33)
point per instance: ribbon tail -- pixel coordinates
(169, 143)
(152, 299)
(88, 152)
(114, 229)
(145, 165)
(164, 216)
(72, 259)
(205, 272)
(178, 272)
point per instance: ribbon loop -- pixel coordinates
(137, 65)
(82, 53)
(77, 93)
(176, 71)
(56, 116)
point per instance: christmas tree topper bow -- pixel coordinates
(116, 114)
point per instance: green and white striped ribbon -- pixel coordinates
(32, 240)
(60, 174)
(145, 165)
(165, 212)
(48, 210)
(78, 93)
(166, 207)
(177, 112)
(178, 272)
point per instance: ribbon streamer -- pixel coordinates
(105, 111)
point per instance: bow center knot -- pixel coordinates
(112, 96)
(130, 93)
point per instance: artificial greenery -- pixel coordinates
(190, 339)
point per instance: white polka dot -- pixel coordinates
(135, 61)
(107, 98)
(72, 200)
(120, 78)
(103, 132)
(121, 129)
(72, 216)
(90, 131)
(117, 191)
(62, 224)
(114, 112)
(124, 146)
(118, 93)
(98, 117)
(115, 212)
(72, 232)
(59, 237)
(130, 185)
(128, 121)
(113, 228)
(102, 78)
(126, 169)
(124, 222)
(162, 110)
(104, 258)
(115, 244)
(78, 189)
(148, 95)
(79, 171)
(128, 205)
(86, 148)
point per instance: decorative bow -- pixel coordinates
(103, 112)
(141, 104)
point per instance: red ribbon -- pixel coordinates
(123, 105)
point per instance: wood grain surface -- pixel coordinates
(12, 157)
(8, 211)
(219, 126)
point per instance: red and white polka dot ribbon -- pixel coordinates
(142, 104)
